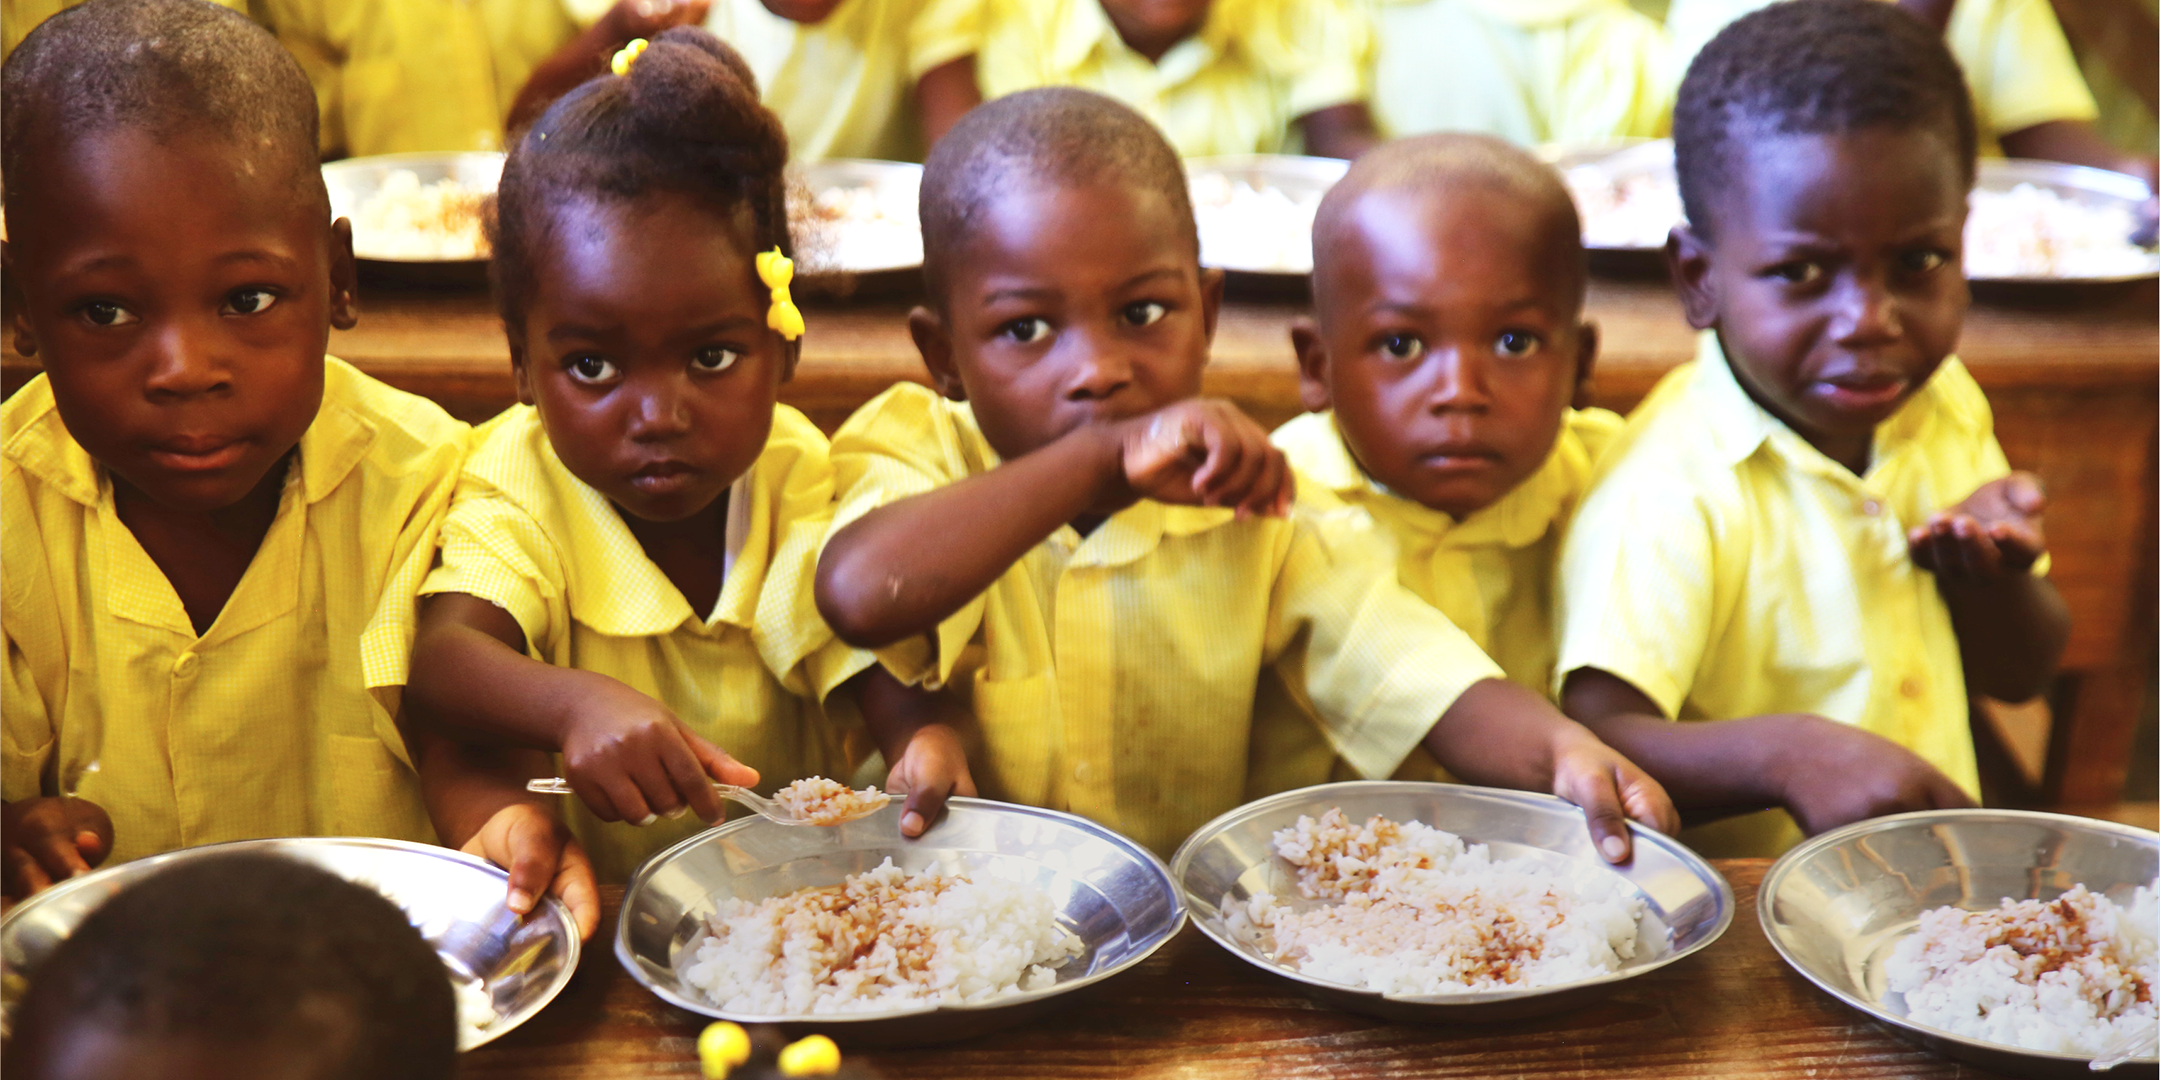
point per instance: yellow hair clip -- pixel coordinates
(776, 271)
(627, 55)
(721, 1047)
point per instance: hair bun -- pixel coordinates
(692, 89)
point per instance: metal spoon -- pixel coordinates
(753, 800)
(2127, 1046)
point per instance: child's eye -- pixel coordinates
(590, 369)
(250, 301)
(106, 313)
(1144, 313)
(1795, 273)
(1026, 331)
(1516, 343)
(1922, 261)
(714, 359)
(1402, 346)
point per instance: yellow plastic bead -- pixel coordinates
(813, 1056)
(720, 1048)
(627, 55)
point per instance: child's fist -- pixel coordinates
(1831, 774)
(44, 840)
(1610, 789)
(632, 760)
(1995, 531)
(932, 769)
(542, 858)
(1206, 452)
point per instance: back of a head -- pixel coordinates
(1052, 135)
(1813, 67)
(165, 66)
(238, 949)
(685, 119)
(1440, 165)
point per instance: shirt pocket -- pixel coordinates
(1022, 728)
(372, 793)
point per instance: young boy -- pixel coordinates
(1449, 371)
(243, 966)
(1099, 553)
(1811, 529)
(1217, 76)
(202, 511)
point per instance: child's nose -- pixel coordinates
(1867, 312)
(1458, 381)
(186, 363)
(1100, 369)
(662, 412)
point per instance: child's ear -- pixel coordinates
(933, 339)
(1586, 343)
(344, 277)
(1687, 257)
(517, 368)
(790, 355)
(1312, 365)
(1211, 290)
(18, 320)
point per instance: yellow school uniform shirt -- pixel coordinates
(841, 87)
(1490, 573)
(262, 726)
(2016, 61)
(1726, 568)
(1235, 87)
(1529, 71)
(1113, 674)
(528, 536)
(19, 17)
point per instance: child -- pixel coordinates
(625, 572)
(1100, 553)
(1779, 536)
(836, 71)
(242, 966)
(1218, 76)
(202, 511)
(1552, 71)
(1451, 368)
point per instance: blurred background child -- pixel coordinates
(203, 511)
(239, 966)
(1217, 76)
(1103, 556)
(1809, 537)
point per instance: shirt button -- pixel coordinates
(184, 667)
(1081, 772)
(1871, 508)
(1912, 687)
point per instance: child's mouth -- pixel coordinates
(198, 454)
(662, 477)
(1463, 457)
(1861, 393)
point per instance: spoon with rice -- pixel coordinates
(812, 800)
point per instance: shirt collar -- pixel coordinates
(1087, 31)
(1520, 518)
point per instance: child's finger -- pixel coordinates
(1976, 550)
(685, 765)
(623, 801)
(722, 766)
(1600, 802)
(578, 889)
(57, 854)
(2021, 543)
(24, 875)
(923, 806)
(655, 785)
(531, 850)
(2025, 493)
(1223, 455)
(1944, 794)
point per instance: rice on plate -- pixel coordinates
(880, 940)
(1404, 908)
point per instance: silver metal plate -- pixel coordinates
(850, 216)
(1255, 211)
(354, 181)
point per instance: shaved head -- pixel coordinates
(1438, 167)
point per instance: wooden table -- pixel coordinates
(2072, 375)
(1193, 1012)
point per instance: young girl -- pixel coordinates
(626, 568)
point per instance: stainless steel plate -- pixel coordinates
(454, 899)
(1599, 172)
(354, 181)
(1836, 905)
(851, 216)
(1255, 211)
(1109, 890)
(1235, 855)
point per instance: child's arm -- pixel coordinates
(627, 756)
(925, 736)
(1824, 773)
(1504, 735)
(2011, 625)
(477, 799)
(48, 839)
(899, 570)
(588, 54)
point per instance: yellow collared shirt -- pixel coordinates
(1113, 674)
(2016, 60)
(842, 86)
(528, 536)
(1530, 72)
(1726, 568)
(262, 726)
(1491, 574)
(1255, 67)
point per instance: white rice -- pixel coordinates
(1420, 912)
(880, 940)
(2064, 975)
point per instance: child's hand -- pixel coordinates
(44, 840)
(1995, 531)
(632, 760)
(647, 18)
(1205, 452)
(932, 769)
(1831, 774)
(1610, 789)
(541, 856)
